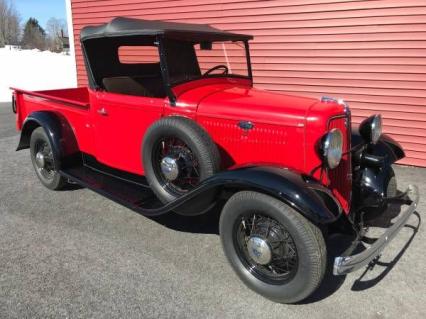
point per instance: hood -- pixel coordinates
(250, 104)
(234, 100)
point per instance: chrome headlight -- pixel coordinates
(371, 129)
(332, 148)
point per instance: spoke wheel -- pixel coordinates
(177, 155)
(272, 248)
(175, 165)
(266, 248)
(44, 161)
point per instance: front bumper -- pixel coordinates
(347, 264)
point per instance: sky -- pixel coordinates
(42, 10)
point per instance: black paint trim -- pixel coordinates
(248, 58)
(165, 71)
(299, 191)
(91, 162)
(387, 147)
(123, 26)
(302, 193)
(59, 132)
(14, 108)
(91, 78)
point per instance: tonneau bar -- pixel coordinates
(52, 98)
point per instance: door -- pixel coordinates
(131, 99)
(120, 124)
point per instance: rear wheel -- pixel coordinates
(43, 161)
(274, 250)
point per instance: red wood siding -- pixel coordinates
(371, 53)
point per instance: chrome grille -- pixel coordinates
(340, 177)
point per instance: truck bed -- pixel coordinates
(74, 96)
(71, 104)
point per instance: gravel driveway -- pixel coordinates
(75, 254)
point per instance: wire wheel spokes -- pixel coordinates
(283, 263)
(181, 153)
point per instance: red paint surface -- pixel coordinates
(371, 53)
(286, 128)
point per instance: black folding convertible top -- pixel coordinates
(122, 27)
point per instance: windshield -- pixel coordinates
(188, 62)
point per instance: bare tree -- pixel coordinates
(56, 31)
(3, 10)
(56, 27)
(9, 23)
(2, 42)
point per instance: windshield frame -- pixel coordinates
(165, 70)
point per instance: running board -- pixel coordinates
(136, 196)
(133, 191)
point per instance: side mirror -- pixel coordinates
(205, 45)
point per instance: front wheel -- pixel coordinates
(273, 249)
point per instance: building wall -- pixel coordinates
(371, 53)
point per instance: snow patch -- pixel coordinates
(34, 70)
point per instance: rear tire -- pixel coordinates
(282, 256)
(44, 163)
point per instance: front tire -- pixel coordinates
(44, 163)
(274, 250)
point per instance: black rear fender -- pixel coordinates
(58, 131)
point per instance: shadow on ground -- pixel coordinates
(337, 244)
(203, 224)
(361, 284)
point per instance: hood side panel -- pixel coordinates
(264, 143)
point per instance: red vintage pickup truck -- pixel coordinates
(171, 122)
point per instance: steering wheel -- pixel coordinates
(217, 67)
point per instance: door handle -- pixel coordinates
(102, 111)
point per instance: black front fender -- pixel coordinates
(386, 147)
(304, 194)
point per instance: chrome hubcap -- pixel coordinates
(259, 250)
(175, 165)
(40, 161)
(169, 168)
(265, 248)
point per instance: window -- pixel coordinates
(230, 54)
(138, 54)
(138, 72)
(189, 62)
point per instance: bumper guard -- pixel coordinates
(347, 264)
